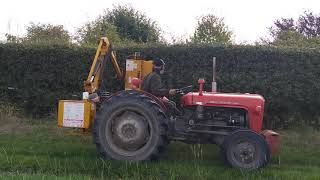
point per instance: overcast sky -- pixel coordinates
(248, 19)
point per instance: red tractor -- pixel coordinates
(134, 125)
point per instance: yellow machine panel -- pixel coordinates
(146, 68)
(136, 69)
(75, 113)
(81, 113)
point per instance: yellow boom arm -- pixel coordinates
(104, 52)
(81, 113)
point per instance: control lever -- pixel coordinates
(185, 90)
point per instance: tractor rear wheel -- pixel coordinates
(245, 150)
(130, 126)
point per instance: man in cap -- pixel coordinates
(152, 83)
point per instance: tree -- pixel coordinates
(211, 30)
(91, 32)
(282, 25)
(42, 33)
(296, 39)
(309, 25)
(121, 24)
(133, 24)
(289, 38)
(12, 38)
(46, 33)
(305, 32)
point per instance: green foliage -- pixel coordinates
(42, 34)
(287, 38)
(132, 24)
(122, 25)
(47, 33)
(34, 76)
(287, 78)
(303, 32)
(295, 39)
(12, 38)
(211, 30)
(91, 32)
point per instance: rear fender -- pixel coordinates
(158, 100)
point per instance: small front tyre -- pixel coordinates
(245, 150)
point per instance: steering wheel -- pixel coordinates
(185, 90)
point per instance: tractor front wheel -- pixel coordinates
(245, 150)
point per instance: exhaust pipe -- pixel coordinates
(214, 83)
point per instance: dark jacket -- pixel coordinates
(152, 83)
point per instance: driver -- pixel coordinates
(152, 83)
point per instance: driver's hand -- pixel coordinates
(172, 91)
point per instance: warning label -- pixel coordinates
(130, 65)
(73, 114)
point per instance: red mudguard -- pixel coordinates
(273, 140)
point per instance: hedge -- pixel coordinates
(35, 77)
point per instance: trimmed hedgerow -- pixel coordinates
(36, 77)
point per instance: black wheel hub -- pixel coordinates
(130, 131)
(244, 152)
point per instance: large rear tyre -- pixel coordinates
(245, 150)
(130, 126)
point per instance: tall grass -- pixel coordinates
(47, 152)
(7, 111)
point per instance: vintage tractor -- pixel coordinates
(134, 125)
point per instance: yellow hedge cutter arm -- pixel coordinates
(103, 53)
(81, 113)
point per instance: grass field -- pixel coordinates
(40, 150)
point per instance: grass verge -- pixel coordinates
(40, 150)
